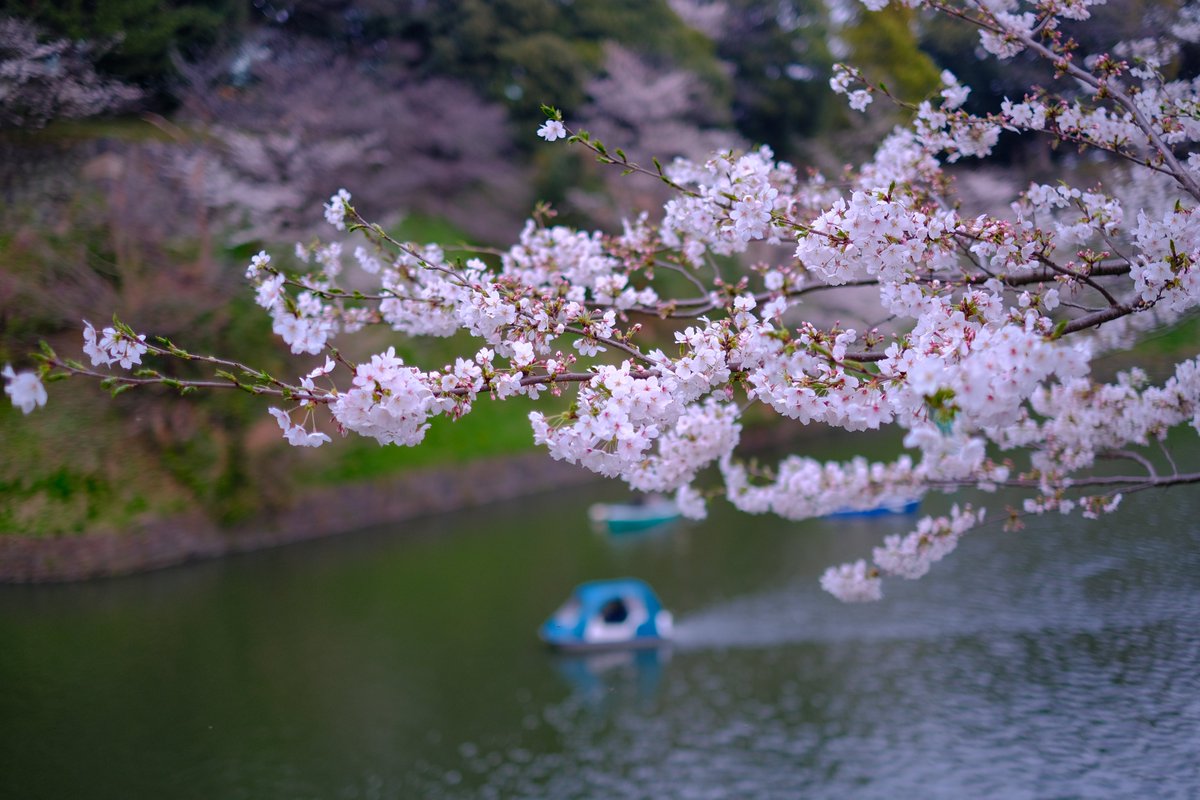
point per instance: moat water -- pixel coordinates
(1061, 661)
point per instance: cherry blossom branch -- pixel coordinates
(1100, 270)
(1099, 317)
(1112, 88)
(1162, 446)
(1109, 88)
(1087, 279)
(611, 343)
(287, 391)
(618, 158)
(1137, 482)
(184, 384)
(376, 230)
(1083, 141)
(700, 287)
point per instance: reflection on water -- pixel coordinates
(1055, 662)
(594, 675)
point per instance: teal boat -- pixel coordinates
(633, 517)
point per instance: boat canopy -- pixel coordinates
(610, 612)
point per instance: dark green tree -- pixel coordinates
(143, 33)
(781, 64)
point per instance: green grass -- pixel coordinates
(129, 129)
(72, 467)
(1156, 353)
(1183, 338)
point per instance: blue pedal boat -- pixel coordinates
(608, 615)
(903, 507)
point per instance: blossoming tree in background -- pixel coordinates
(988, 325)
(45, 80)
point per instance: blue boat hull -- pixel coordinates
(577, 646)
(880, 511)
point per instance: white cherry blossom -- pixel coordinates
(25, 389)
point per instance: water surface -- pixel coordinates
(1060, 661)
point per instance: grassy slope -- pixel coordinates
(76, 465)
(70, 468)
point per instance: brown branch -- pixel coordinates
(281, 390)
(1132, 456)
(1099, 318)
(1132, 482)
(1043, 259)
(611, 342)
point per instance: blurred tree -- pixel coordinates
(144, 33)
(518, 52)
(42, 81)
(649, 109)
(780, 53)
(109, 224)
(883, 44)
(779, 57)
(270, 155)
(541, 66)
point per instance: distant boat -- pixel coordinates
(605, 615)
(630, 517)
(897, 507)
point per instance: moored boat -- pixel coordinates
(895, 507)
(631, 517)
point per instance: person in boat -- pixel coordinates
(614, 611)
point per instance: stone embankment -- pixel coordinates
(319, 513)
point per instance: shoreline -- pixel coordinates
(321, 513)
